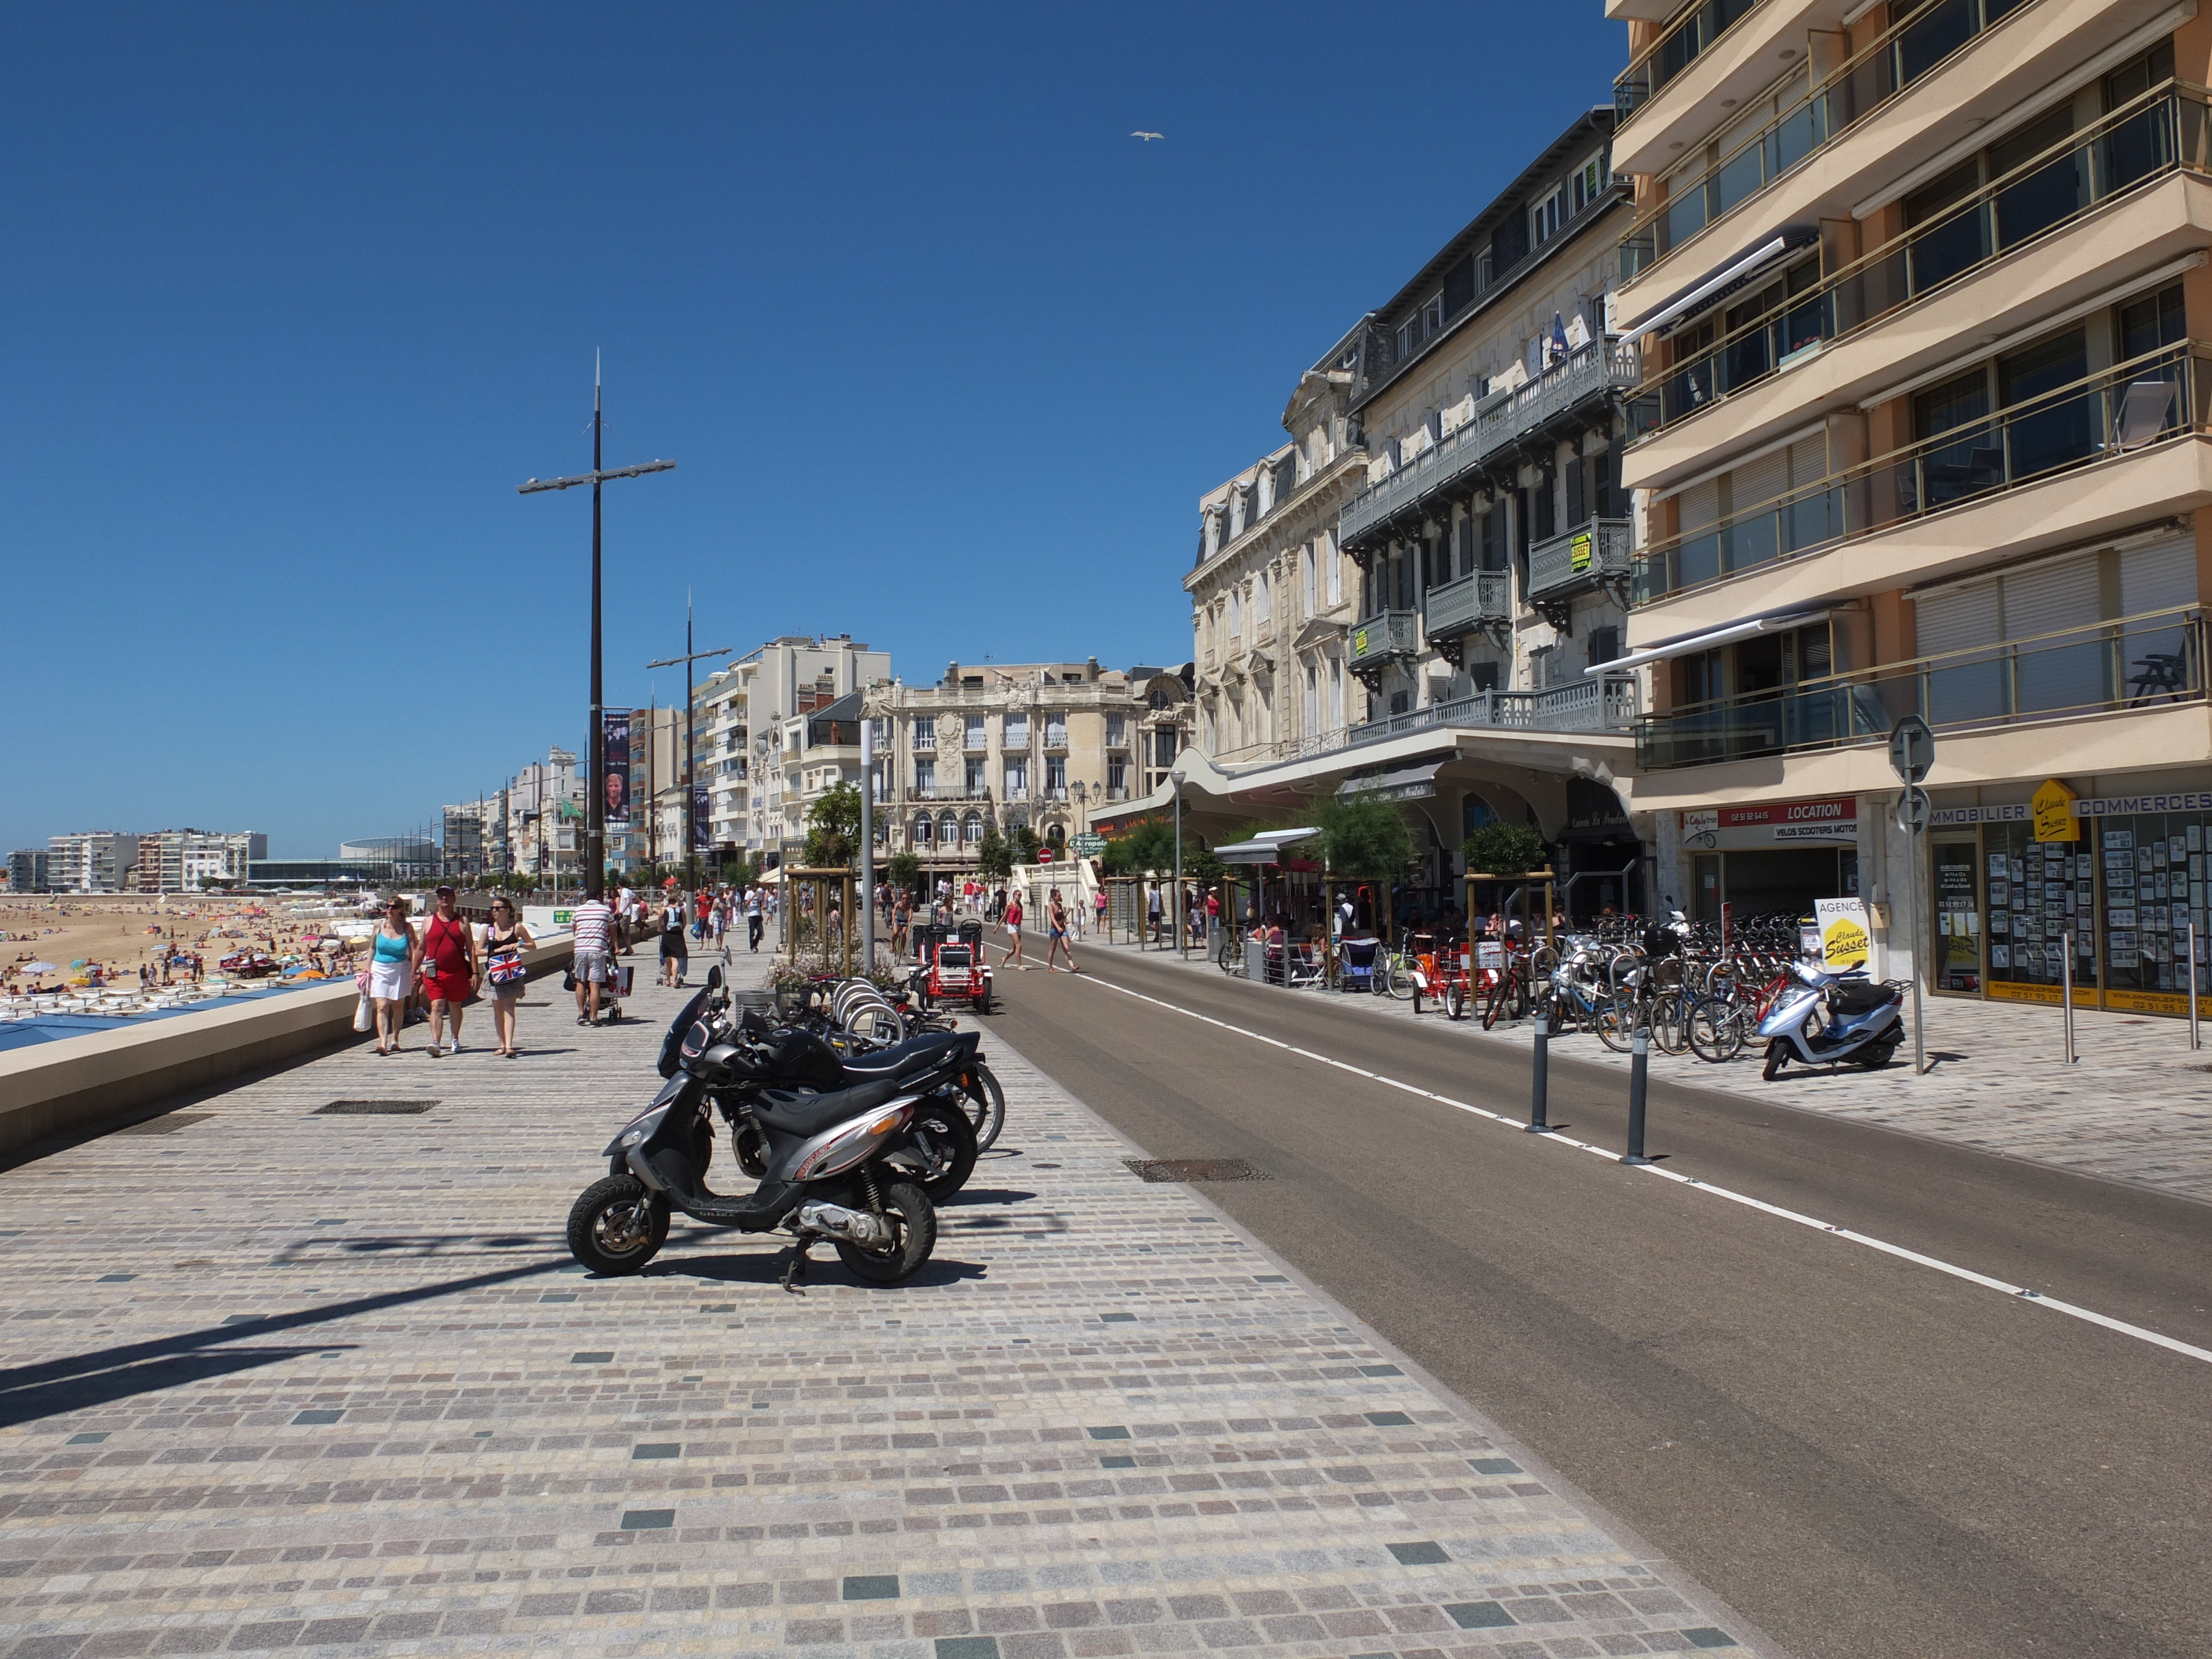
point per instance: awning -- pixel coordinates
(1716, 285)
(1263, 848)
(1406, 783)
(1705, 641)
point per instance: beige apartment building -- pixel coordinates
(1049, 746)
(1916, 290)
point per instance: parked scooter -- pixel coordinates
(1827, 1017)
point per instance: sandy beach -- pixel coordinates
(120, 933)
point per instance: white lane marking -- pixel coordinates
(1968, 1274)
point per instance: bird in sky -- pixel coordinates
(1148, 137)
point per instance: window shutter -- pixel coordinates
(1699, 507)
(2158, 578)
(1758, 481)
(1809, 461)
(2050, 597)
(1957, 621)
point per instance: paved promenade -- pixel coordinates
(278, 1377)
(2137, 1106)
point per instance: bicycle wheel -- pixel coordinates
(1670, 1023)
(1616, 1022)
(1394, 977)
(1715, 1029)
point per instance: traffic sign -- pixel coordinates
(1911, 748)
(1044, 855)
(1912, 808)
(1087, 844)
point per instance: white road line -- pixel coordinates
(1968, 1274)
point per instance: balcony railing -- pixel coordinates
(1674, 51)
(1601, 703)
(2143, 661)
(1580, 561)
(948, 792)
(2165, 131)
(1459, 607)
(2161, 395)
(1695, 194)
(1388, 633)
(1598, 369)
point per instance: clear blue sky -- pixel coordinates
(295, 295)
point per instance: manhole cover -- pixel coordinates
(1193, 1169)
(166, 1125)
(373, 1108)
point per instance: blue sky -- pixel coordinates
(295, 295)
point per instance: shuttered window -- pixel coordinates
(2158, 578)
(2056, 674)
(1961, 620)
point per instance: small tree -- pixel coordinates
(1499, 848)
(1364, 837)
(834, 828)
(993, 858)
(1148, 844)
(903, 870)
(1025, 843)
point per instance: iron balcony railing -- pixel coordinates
(948, 792)
(1603, 368)
(1388, 633)
(1456, 608)
(1583, 559)
(1696, 191)
(1682, 44)
(2165, 131)
(2133, 662)
(1600, 703)
(2158, 396)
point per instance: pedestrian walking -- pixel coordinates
(393, 953)
(450, 972)
(1153, 913)
(504, 941)
(722, 925)
(1056, 916)
(592, 928)
(1100, 903)
(902, 918)
(1013, 915)
(753, 919)
(674, 955)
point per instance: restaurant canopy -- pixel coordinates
(1265, 848)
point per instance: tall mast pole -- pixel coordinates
(690, 784)
(595, 806)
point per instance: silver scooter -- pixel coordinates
(1825, 1017)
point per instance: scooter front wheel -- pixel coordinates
(1777, 1056)
(616, 1226)
(913, 1221)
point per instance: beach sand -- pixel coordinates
(111, 930)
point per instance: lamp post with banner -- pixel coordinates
(690, 800)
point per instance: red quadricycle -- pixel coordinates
(1443, 971)
(954, 968)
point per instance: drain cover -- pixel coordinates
(1195, 1169)
(168, 1124)
(374, 1108)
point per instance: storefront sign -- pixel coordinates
(1778, 823)
(2106, 806)
(1844, 933)
(1940, 816)
(2053, 804)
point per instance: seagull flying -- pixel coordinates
(1148, 137)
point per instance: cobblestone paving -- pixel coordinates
(282, 1379)
(2137, 1106)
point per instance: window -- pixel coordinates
(1018, 732)
(923, 734)
(1056, 775)
(1306, 567)
(1313, 699)
(974, 730)
(1236, 611)
(1267, 596)
(1544, 218)
(1055, 730)
(1164, 746)
(1335, 563)
(1336, 692)
(1017, 778)
(972, 830)
(925, 776)
(1117, 775)
(972, 776)
(1604, 644)
(1117, 731)
(1589, 182)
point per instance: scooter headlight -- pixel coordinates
(633, 1137)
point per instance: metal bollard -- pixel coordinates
(1639, 1070)
(2066, 994)
(2193, 1041)
(1539, 1079)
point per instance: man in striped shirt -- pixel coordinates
(592, 923)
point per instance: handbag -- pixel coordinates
(506, 967)
(364, 1017)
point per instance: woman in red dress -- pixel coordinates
(449, 971)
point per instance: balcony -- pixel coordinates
(2135, 662)
(1472, 602)
(2157, 396)
(1598, 370)
(947, 791)
(1383, 637)
(2166, 130)
(1674, 51)
(1580, 562)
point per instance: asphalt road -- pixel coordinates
(1865, 1456)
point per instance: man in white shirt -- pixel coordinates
(591, 924)
(753, 919)
(626, 912)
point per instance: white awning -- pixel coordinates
(1706, 641)
(1707, 289)
(1265, 848)
(1406, 783)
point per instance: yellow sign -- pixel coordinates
(2053, 807)
(1578, 553)
(1360, 642)
(1842, 932)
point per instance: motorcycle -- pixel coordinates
(1827, 1017)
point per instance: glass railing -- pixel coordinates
(2154, 397)
(1682, 44)
(2133, 662)
(1698, 192)
(2163, 131)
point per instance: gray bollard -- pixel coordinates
(1539, 1079)
(1639, 1071)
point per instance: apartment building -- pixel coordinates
(544, 820)
(1272, 595)
(90, 861)
(740, 714)
(180, 860)
(27, 870)
(1051, 747)
(1486, 545)
(1918, 290)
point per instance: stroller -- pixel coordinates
(1358, 959)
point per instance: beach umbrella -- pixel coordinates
(81, 961)
(37, 967)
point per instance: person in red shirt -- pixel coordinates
(450, 970)
(1014, 932)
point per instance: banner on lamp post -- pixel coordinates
(702, 833)
(615, 748)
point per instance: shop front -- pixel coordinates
(1777, 858)
(2111, 881)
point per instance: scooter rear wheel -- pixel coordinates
(913, 1221)
(952, 1134)
(616, 1226)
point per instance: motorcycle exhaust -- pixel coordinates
(854, 1226)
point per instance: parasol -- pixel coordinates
(37, 967)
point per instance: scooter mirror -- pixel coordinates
(714, 977)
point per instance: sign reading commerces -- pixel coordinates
(1772, 823)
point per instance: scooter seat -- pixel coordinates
(1856, 996)
(793, 1113)
(920, 1053)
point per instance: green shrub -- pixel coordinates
(1505, 849)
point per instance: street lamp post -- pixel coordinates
(595, 805)
(691, 788)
